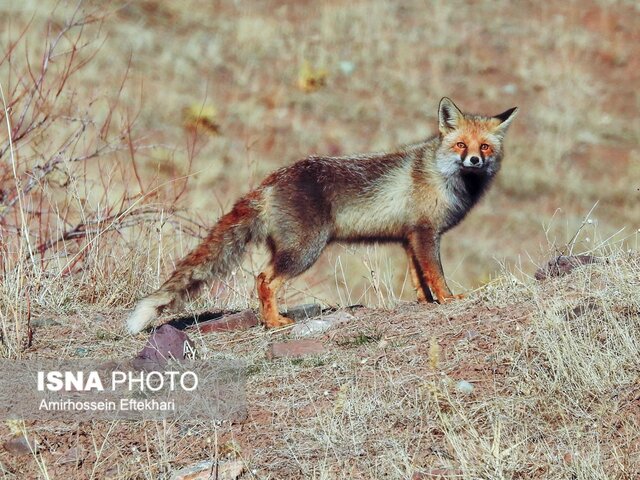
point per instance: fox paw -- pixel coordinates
(278, 321)
(450, 298)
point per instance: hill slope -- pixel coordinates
(554, 368)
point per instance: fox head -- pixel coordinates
(470, 144)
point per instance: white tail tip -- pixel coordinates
(145, 312)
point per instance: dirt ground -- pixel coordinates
(384, 400)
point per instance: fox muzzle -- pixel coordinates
(473, 162)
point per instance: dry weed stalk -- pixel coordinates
(67, 200)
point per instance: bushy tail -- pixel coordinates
(215, 256)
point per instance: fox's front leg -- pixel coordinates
(423, 293)
(425, 246)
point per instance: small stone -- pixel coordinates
(347, 67)
(19, 446)
(164, 344)
(206, 470)
(304, 312)
(437, 473)
(338, 317)
(236, 321)
(113, 473)
(73, 455)
(295, 349)
(562, 265)
(471, 335)
(464, 387)
(588, 307)
(510, 88)
(310, 327)
(44, 322)
(321, 324)
(587, 136)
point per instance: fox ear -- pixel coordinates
(506, 118)
(449, 116)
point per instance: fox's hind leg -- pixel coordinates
(423, 293)
(290, 257)
(268, 286)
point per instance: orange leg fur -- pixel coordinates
(435, 279)
(426, 247)
(416, 280)
(268, 286)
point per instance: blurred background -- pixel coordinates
(135, 125)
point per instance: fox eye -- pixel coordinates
(484, 147)
(461, 145)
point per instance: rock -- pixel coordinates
(310, 327)
(19, 445)
(471, 335)
(45, 322)
(112, 474)
(562, 265)
(165, 343)
(304, 312)
(347, 67)
(236, 321)
(73, 455)
(339, 317)
(510, 89)
(206, 470)
(295, 349)
(464, 387)
(321, 324)
(437, 473)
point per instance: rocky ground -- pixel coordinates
(535, 380)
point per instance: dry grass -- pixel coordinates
(135, 126)
(556, 391)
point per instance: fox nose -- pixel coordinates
(474, 160)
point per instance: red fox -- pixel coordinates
(411, 197)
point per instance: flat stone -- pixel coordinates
(471, 335)
(19, 446)
(310, 327)
(562, 265)
(437, 473)
(73, 455)
(236, 321)
(320, 324)
(206, 470)
(45, 322)
(464, 387)
(112, 474)
(164, 344)
(304, 312)
(295, 349)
